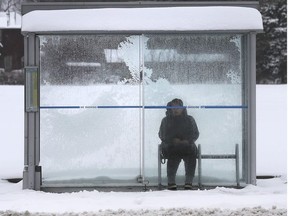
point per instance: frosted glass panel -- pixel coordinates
(90, 116)
(206, 72)
(99, 120)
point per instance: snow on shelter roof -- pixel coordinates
(213, 18)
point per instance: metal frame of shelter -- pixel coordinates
(32, 170)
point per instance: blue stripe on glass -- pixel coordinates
(147, 107)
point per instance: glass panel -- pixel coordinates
(91, 121)
(206, 72)
(89, 124)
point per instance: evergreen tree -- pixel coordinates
(272, 44)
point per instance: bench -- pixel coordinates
(200, 156)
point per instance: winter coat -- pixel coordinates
(183, 127)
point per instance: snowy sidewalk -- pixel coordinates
(269, 197)
(257, 211)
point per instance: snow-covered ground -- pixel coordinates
(269, 197)
(268, 194)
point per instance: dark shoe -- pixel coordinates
(188, 186)
(172, 186)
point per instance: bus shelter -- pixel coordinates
(98, 77)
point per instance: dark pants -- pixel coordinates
(173, 164)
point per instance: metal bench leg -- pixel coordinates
(199, 167)
(237, 164)
(159, 169)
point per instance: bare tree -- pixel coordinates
(11, 5)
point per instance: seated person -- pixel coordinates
(178, 133)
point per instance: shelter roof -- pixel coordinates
(208, 18)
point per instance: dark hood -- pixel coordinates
(169, 112)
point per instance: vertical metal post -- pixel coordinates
(245, 101)
(251, 148)
(142, 123)
(32, 171)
